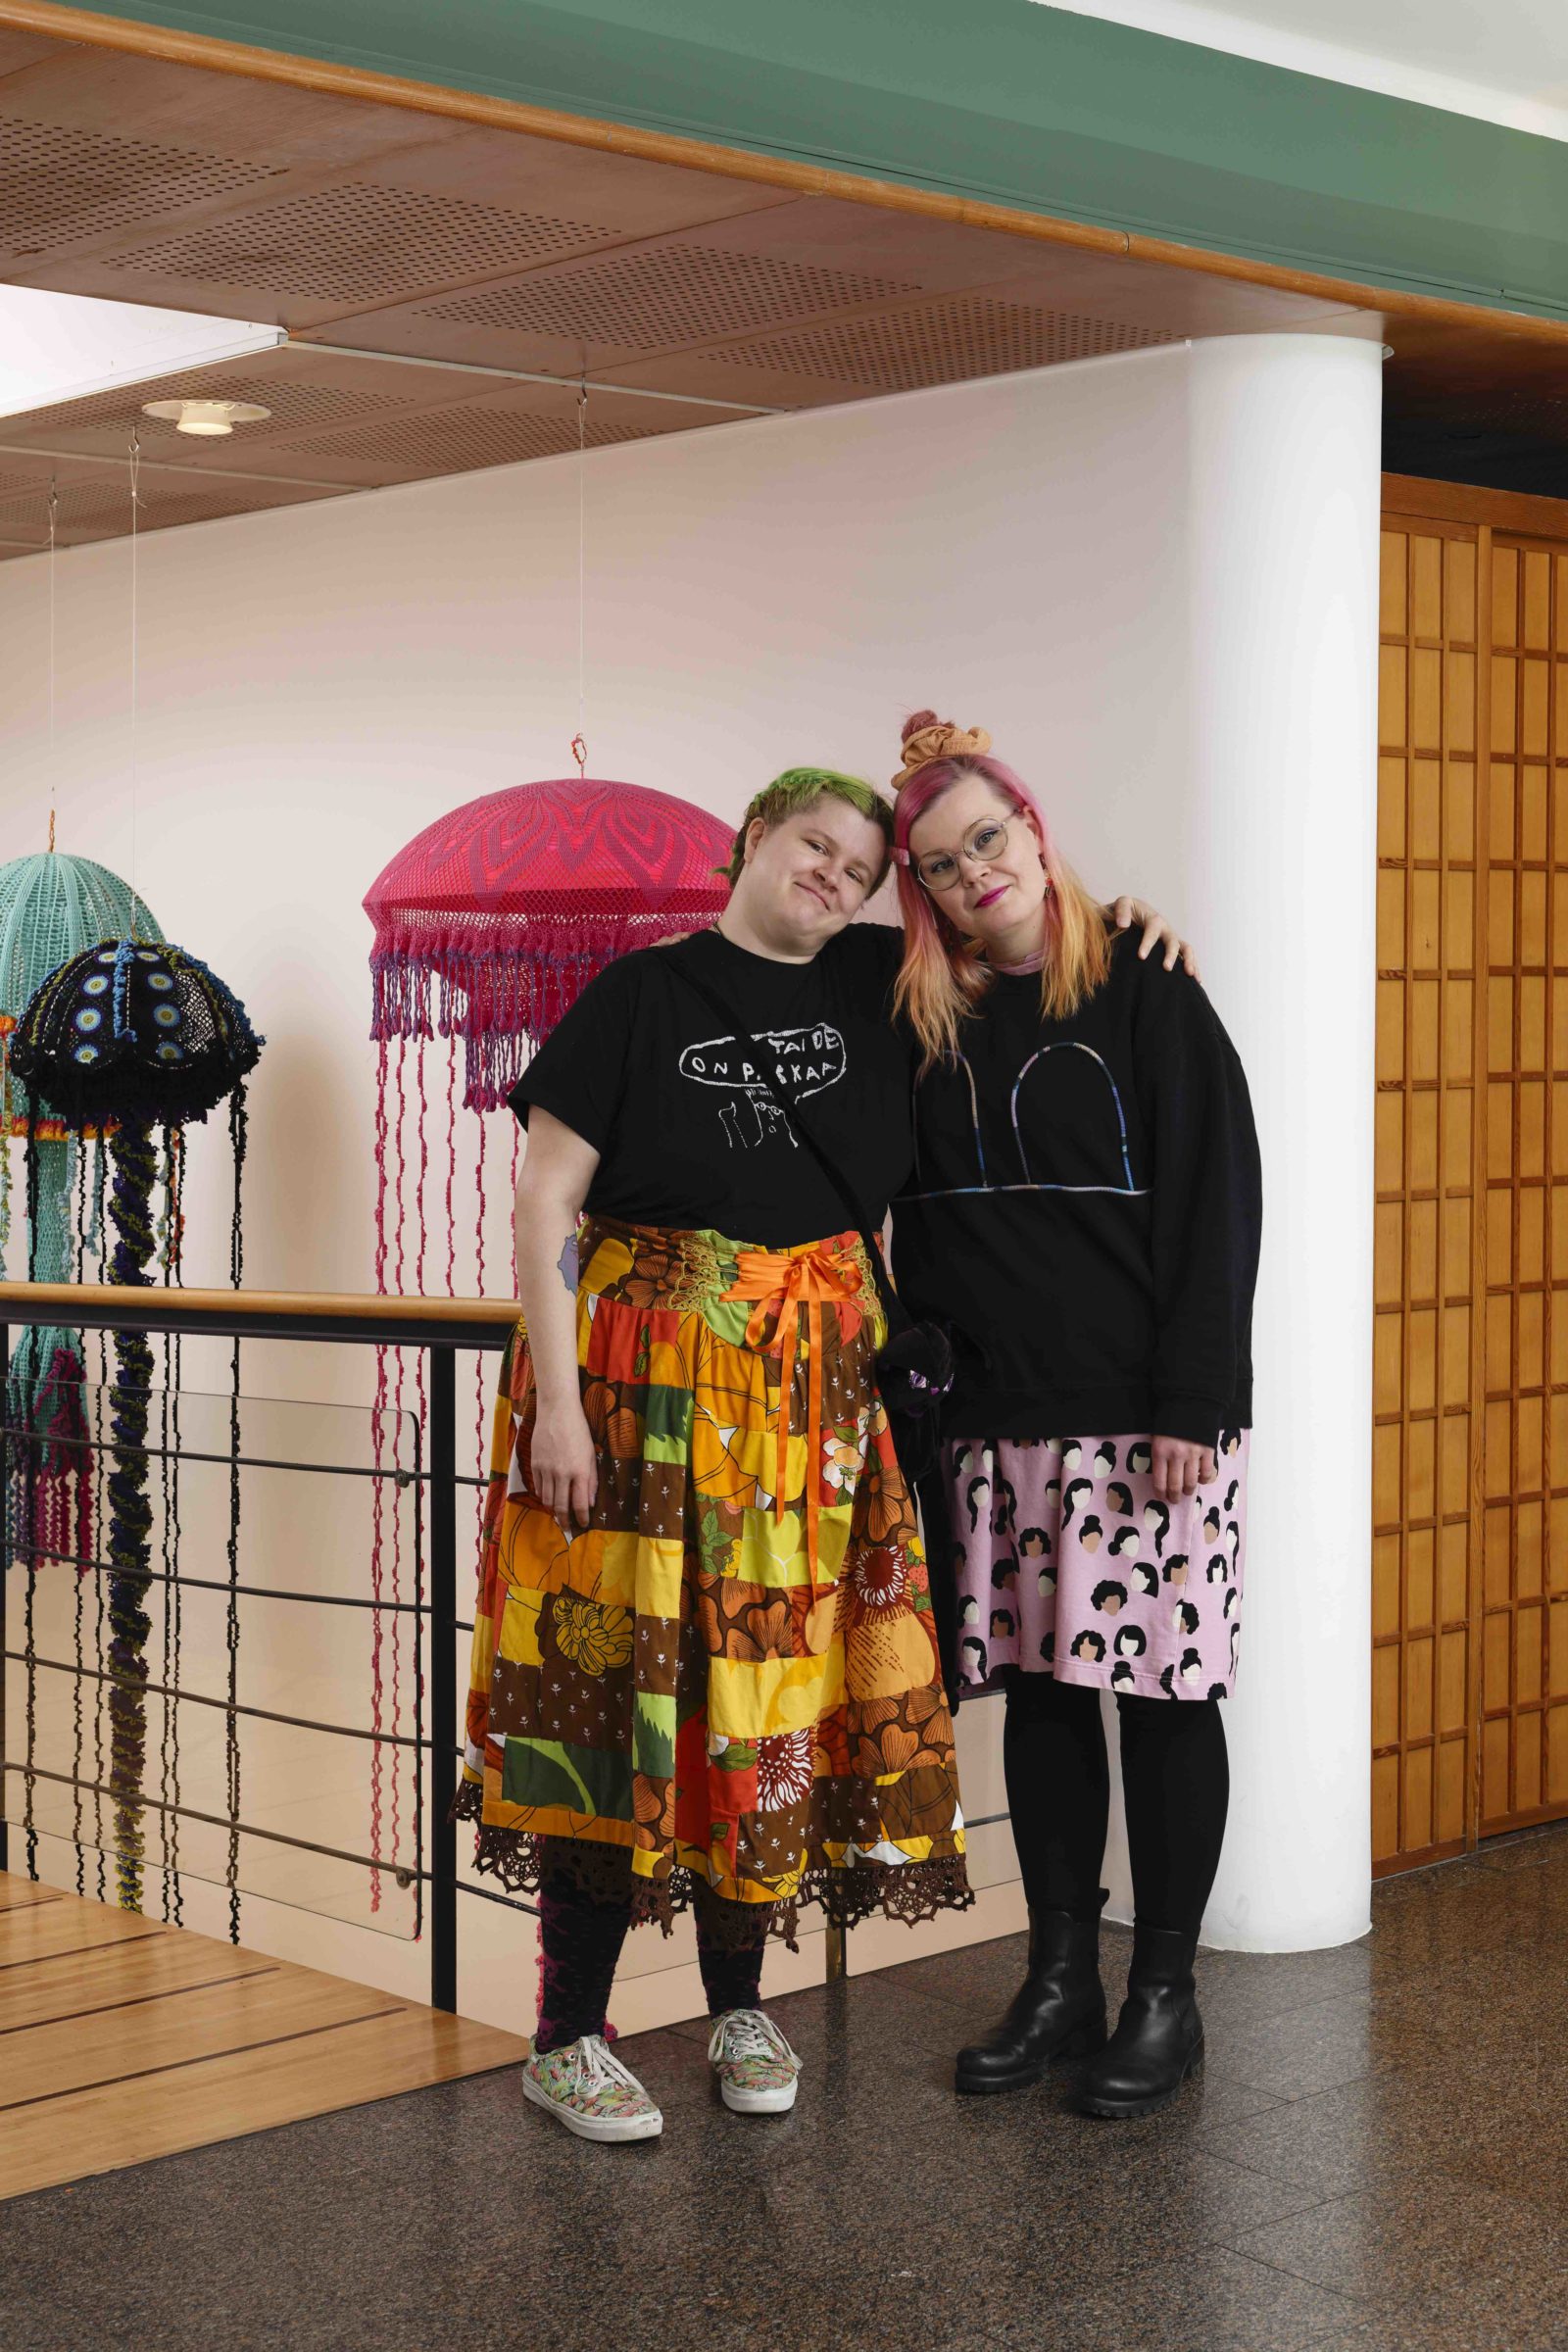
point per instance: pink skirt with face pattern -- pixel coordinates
(1067, 1564)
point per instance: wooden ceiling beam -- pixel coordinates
(79, 26)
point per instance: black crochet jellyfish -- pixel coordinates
(125, 1037)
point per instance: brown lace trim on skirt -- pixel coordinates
(911, 1892)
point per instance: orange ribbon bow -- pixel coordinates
(783, 1281)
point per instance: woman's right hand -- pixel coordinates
(562, 1468)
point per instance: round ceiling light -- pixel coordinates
(207, 418)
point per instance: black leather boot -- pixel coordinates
(1158, 2039)
(1058, 2012)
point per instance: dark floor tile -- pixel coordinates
(1465, 1920)
(1206, 2300)
(1297, 2052)
(1351, 2138)
(1533, 1850)
(989, 2257)
(1412, 2237)
(872, 2017)
(1489, 2311)
(976, 1977)
(1512, 2036)
(1239, 1988)
(1385, 2124)
(1501, 2302)
(1343, 2141)
(37, 2325)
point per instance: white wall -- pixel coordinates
(315, 685)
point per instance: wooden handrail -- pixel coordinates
(71, 1301)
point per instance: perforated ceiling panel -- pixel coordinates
(1542, 412)
(940, 343)
(666, 295)
(444, 258)
(460, 440)
(358, 242)
(295, 407)
(101, 509)
(57, 184)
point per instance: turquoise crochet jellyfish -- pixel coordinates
(52, 907)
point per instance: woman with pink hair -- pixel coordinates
(1084, 1217)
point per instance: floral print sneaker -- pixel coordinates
(587, 2089)
(758, 2071)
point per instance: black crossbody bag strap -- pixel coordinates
(895, 1313)
(914, 1363)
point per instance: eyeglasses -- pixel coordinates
(939, 868)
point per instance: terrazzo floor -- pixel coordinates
(1377, 2160)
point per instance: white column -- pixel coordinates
(1277, 863)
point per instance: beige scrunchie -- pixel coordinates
(941, 741)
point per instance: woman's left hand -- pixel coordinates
(1181, 1469)
(1157, 933)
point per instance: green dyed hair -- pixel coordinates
(800, 788)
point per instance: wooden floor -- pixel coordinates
(122, 2040)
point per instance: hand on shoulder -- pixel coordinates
(1157, 934)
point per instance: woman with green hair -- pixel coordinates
(706, 1671)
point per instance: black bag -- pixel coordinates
(914, 1364)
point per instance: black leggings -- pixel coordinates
(579, 1945)
(1175, 1781)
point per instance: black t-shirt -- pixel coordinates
(641, 1068)
(1087, 1219)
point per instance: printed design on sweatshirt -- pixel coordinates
(1026, 1181)
(802, 1061)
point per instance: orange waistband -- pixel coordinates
(783, 1282)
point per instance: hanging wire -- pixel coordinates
(579, 747)
(136, 908)
(54, 766)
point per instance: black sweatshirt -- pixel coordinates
(1085, 1213)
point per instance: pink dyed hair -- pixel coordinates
(943, 975)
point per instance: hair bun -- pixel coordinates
(927, 737)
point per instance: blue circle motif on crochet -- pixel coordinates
(166, 1015)
(170, 1051)
(108, 955)
(90, 1017)
(96, 985)
(162, 981)
(86, 1054)
(147, 954)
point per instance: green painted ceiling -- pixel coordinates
(1007, 102)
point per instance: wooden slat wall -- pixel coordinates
(1523, 1586)
(1426, 1258)
(1470, 1446)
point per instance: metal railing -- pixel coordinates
(439, 1328)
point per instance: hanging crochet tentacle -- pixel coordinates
(44, 1392)
(130, 1517)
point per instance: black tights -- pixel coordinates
(1175, 1781)
(579, 1945)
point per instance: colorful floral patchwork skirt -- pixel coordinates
(731, 1676)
